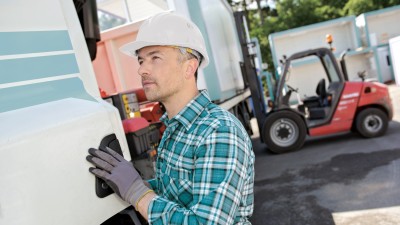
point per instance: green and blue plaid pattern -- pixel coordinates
(204, 169)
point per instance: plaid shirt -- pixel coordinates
(205, 168)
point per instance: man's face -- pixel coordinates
(162, 73)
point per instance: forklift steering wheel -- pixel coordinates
(291, 88)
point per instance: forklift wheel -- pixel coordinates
(284, 131)
(372, 122)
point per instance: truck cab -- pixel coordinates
(51, 113)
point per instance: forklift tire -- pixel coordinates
(284, 131)
(371, 122)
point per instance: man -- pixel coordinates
(205, 163)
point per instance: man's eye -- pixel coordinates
(140, 62)
(155, 57)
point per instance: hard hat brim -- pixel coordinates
(131, 48)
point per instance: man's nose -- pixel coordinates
(143, 70)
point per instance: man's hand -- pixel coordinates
(118, 173)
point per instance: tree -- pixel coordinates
(356, 7)
(259, 10)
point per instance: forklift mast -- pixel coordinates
(249, 71)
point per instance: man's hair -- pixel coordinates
(183, 56)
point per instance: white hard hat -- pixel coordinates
(168, 29)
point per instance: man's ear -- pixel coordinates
(191, 68)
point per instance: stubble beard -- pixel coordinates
(152, 95)
(155, 94)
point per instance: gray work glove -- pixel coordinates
(118, 173)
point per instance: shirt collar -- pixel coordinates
(188, 115)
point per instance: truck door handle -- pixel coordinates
(388, 60)
(111, 141)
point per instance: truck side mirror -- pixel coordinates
(87, 13)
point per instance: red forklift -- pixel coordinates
(338, 106)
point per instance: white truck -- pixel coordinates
(51, 113)
(395, 53)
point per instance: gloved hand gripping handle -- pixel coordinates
(118, 173)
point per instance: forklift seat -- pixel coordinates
(318, 105)
(321, 99)
(321, 90)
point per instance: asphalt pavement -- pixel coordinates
(335, 180)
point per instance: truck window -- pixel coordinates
(113, 13)
(330, 69)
